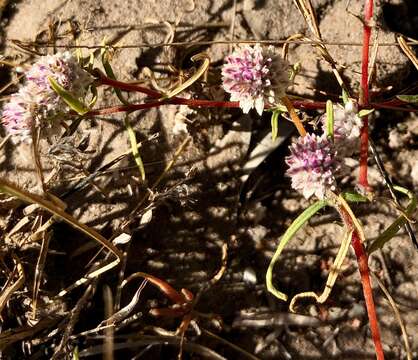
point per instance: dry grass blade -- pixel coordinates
(5, 140)
(373, 58)
(407, 50)
(74, 316)
(199, 72)
(11, 285)
(203, 351)
(39, 270)
(12, 336)
(126, 310)
(306, 9)
(25, 196)
(332, 276)
(222, 269)
(233, 346)
(397, 315)
(37, 159)
(109, 331)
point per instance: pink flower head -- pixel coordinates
(255, 77)
(36, 102)
(312, 165)
(17, 117)
(347, 127)
(65, 70)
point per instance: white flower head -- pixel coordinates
(255, 77)
(347, 128)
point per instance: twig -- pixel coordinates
(201, 43)
(75, 314)
(11, 287)
(40, 264)
(232, 27)
(108, 341)
(407, 50)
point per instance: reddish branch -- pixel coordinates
(363, 266)
(364, 93)
(362, 258)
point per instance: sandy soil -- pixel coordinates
(204, 204)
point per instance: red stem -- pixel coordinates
(364, 93)
(363, 266)
(362, 260)
(298, 104)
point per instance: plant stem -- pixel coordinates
(295, 118)
(362, 260)
(363, 266)
(362, 257)
(364, 93)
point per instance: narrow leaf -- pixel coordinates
(69, 99)
(290, 232)
(365, 112)
(354, 197)
(109, 71)
(330, 119)
(134, 147)
(345, 96)
(275, 124)
(412, 99)
(392, 230)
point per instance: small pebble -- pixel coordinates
(249, 276)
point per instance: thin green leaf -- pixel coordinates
(93, 90)
(134, 147)
(295, 70)
(275, 124)
(109, 71)
(354, 197)
(345, 97)
(412, 99)
(330, 119)
(365, 112)
(75, 354)
(290, 232)
(69, 99)
(392, 230)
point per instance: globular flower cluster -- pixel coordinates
(255, 77)
(313, 164)
(36, 103)
(347, 127)
(17, 115)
